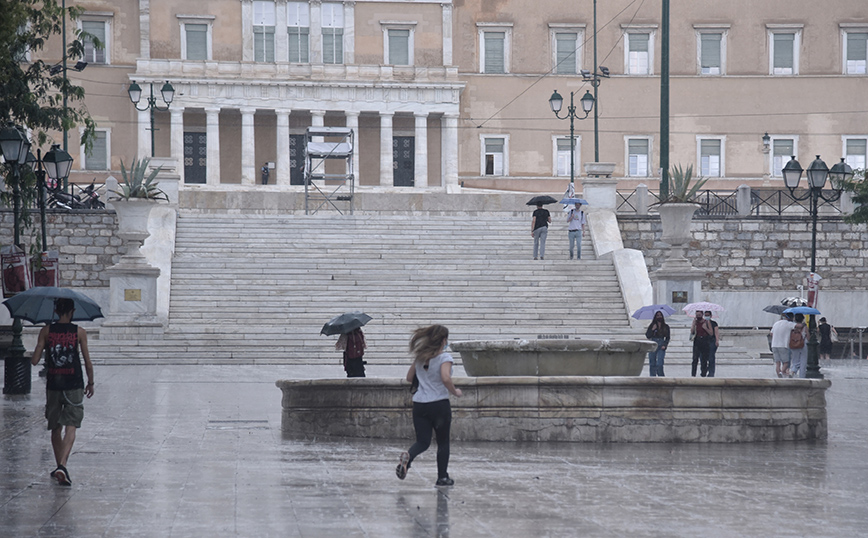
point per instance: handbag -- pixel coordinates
(833, 335)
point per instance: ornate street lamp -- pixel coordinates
(817, 173)
(168, 94)
(57, 163)
(557, 103)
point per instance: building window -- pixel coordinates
(332, 33)
(98, 156)
(567, 48)
(856, 52)
(783, 148)
(562, 155)
(784, 50)
(638, 156)
(196, 37)
(96, 43)
(639, 52)
(856, 152)
(263, 31)
(711, 153)
(298, 27)
(494, 43)
(398, 44)
(711, 51)
(494, 155)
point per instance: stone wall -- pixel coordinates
(770, 253)
(85, 239)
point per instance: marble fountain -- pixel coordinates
(565, 390)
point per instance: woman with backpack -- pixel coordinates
(432, 412)
(798, 350)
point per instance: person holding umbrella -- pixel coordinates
(65, 345)
(539, 229)
(658, 331)
(576, 221)
(351, 341)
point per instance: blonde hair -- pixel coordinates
(427, 342)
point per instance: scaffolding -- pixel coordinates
(323, 187)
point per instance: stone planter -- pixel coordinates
(133, 217)
(675, 218)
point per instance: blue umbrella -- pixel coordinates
(802, 310)
(647, 312)
(570, 201)
(36, 305)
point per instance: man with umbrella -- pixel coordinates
(539, 225)
(65, 389)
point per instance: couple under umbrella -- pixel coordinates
(351, 341)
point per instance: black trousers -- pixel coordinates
(702, 354)
(354, 367)
(436, 417)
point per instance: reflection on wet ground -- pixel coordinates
(194, 451)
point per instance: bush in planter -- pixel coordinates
(137, 185)
(680, 188)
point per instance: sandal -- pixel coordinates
(403, 465)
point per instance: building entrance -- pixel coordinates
(195, 157)
(403, 160)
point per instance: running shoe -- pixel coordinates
(445, 481)
(403, 465)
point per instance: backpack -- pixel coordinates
(797, 340)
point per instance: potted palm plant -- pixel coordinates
(677, 207)
(136, 195)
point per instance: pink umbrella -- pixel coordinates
(702, 307)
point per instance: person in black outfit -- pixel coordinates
(539, 229)
(825, 331)
(265, 173)
(65, 389)
(703, 337)
(658, 331)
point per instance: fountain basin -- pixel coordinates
(483, 358)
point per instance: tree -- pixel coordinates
(858, 185)
(30, 94)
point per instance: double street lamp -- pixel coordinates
(15, 149)
(168, 94)
(557, 103)
(817, 174)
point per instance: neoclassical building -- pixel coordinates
(441, 93)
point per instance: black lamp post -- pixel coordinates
(817, 173)
(557, 102)
(57, 163)
(14, 147)
(168, 93)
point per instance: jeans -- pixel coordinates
(712, 355)
(436, 416)
(655, 359)
(575, 237)
(701, 350)
(799, 361)
(539, 241)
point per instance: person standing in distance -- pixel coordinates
(539, 229)
(576, 221)
(658, 331)
(65, 389)
(432, 366)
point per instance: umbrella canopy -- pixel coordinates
(702, 307)
(775, 309)
(794, 301)
(571, 201)
(36, 305)
(544, 199)
(647, 312)
(802, 310)
(345, 323)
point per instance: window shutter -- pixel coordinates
(197, 41)
(299, 44)
(638, 42)
(857, 47)
(709, 153)
(565, 55)
(399, 47)
(97, 158)
(710, 50)
(494, 57)
(333, 45)
(96, 29)
(783, 58)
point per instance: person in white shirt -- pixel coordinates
(576, 221)
(781, 344)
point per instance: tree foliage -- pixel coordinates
(30, 95)
(858, 186)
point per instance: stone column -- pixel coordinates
(177, 153)
(446, 10)
(248, 148)
(247, 31)
(387, 173)
(212, 134)
(282, 164)
(353, 123)
(315, 32)
(449, 125)
(143, 148)
(742, 200)
(420, 172)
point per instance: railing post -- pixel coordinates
(642, 199)
(742, 200)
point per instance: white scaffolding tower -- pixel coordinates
(323, 187)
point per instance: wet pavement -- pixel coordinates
(198, 451)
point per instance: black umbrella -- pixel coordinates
(36, 305)
(345, 323)
(775, 309)
(542, 199)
